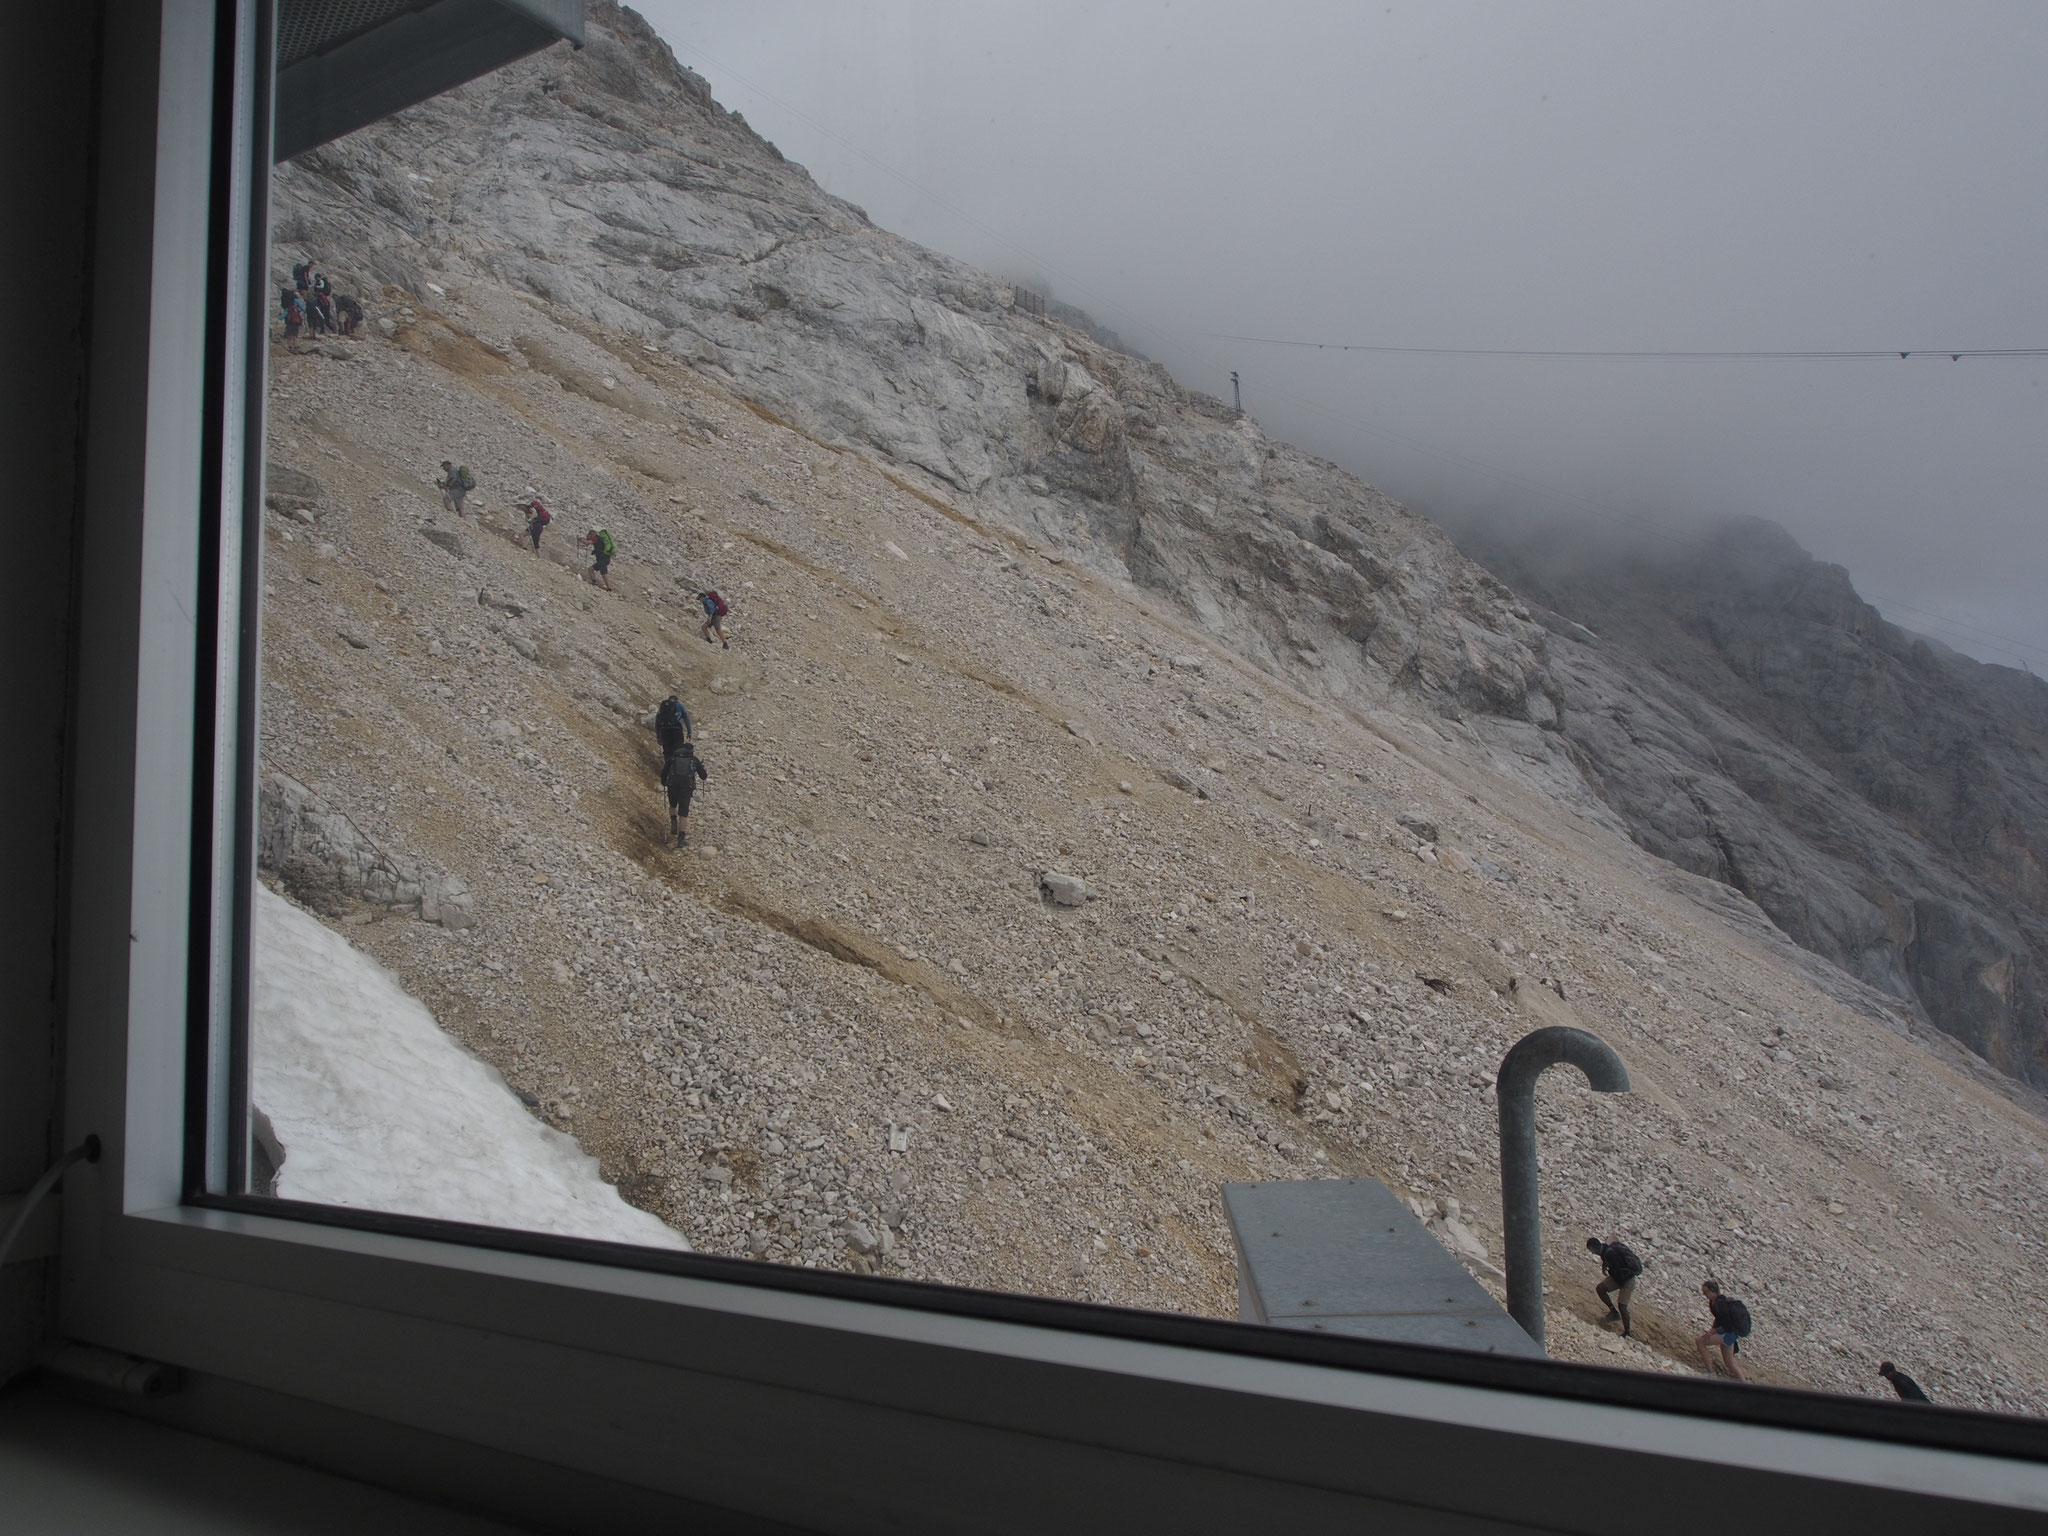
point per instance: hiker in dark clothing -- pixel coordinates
(671, 726)
(1907, 1388)
(1731, 1327)
(603, 546)
(538, 518)
(1620, 1270)
(680, 772)
(291, 311)
(351, 313)
(302, 275)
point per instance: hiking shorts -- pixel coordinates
(679, 797)
(1623, 1293)
(602, 563)
(1729, 1341)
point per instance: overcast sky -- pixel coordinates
(1508, 176)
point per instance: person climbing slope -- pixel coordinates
(537, 520)
(351, 312)
(671, 726)
(715, 610)
(603, 547)
(1908, 1389)
(456, 482)
(1620, 1270)
(291, 311)
(680, 771)
(1731, 1327)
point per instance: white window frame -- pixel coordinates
(596, 1386)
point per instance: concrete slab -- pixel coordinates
(1346, 1256)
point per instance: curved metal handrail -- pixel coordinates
(1515, 1087)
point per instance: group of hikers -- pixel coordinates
(681, 768)
(456, 482)
(310, 306)
(1729, 1320)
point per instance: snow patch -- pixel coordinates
(377, 1107)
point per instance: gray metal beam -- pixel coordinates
(406, 58)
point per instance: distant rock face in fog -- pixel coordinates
(1883, 798)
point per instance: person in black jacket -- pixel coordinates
(1620, 1270)
(671, 725)
(1731, 1327)
(1904, 1385)
(679, 776)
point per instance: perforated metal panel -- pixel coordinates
(307, 27)
(344, 63)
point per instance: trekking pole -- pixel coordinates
(1515, 1088)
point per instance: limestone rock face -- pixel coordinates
(1883, 798)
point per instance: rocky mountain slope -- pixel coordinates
(1009, 606)
(1883, 798)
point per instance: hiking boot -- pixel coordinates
(1612, 1316)
(726, 643)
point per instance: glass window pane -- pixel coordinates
(781, 741)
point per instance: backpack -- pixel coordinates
(1625, 1265)
(606, 544)
(464, 478)
(1732, 1315)
(715, 605)
(669, 717)
(542, 515)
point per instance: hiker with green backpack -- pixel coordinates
(604, 547)
(1731, 1327)
(456, 482)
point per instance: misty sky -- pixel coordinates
(1521, 176)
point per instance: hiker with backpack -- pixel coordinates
(680, 771)
(715, 610)
(603, 547)
(351, 312)
(291, 311)
(1909, 1390)
(1620, 1270)
(538, 517)
(671, 726)
(320, 306)
(1731, 1326)
(302, 275)
(456, 482)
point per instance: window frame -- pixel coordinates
(826, 1400)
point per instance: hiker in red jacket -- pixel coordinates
(538, 517)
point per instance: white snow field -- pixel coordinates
(376, 1107)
